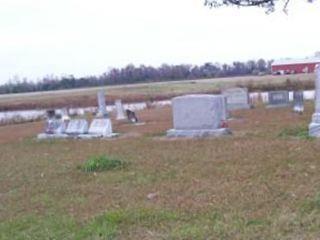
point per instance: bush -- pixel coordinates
(102, 163)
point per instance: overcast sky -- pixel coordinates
(82, 37)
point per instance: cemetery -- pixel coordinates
(159, 120)
(199, 156)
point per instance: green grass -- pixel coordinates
(311, 205)
(300, 132)
(102, 163)
(106, 226)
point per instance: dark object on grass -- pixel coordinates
(51, 114)
(131, 116)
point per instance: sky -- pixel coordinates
(82, 37)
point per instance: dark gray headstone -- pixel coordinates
(298, 102)
(278, 99)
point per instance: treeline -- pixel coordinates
(140, 74)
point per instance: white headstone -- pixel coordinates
(198, 116)
(101, 127)
(102, 109)
(120, 110)
(237, 98)
(314, 127)
(55, 126)
(77, 126)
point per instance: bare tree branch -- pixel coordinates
(269, 5)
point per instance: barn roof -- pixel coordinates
(296, 61)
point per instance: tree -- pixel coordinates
(269, 5)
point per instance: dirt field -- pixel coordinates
(150, 91)
(262, 182)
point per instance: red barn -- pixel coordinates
(292, 66)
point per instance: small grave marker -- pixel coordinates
(298, 106)
(237, 98)
(55, 126)
(77, 126)
(278, 99)
(120, 110)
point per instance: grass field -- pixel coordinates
(262, 182)
(150, 91)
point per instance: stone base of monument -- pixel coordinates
(44, 136)
(239, 107)
(314, 126)
(199, 133)
(97, 136)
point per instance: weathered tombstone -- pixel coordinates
(99, 128)
(298, 106)
(77, 126)
(120, 110)
(102, 110)
(278, 99)
(237, 98)
(55, 128)
(131, 116)
(314, 127)
(198, 116)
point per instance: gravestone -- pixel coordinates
(120, 110)
(198, 116)
(314, 127)
(237, 98)
(99, 128)
(102, 109)
(278, 99)
(77, 126)
(55, 128)
(298, 106)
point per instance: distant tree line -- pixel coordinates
(140, 74)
